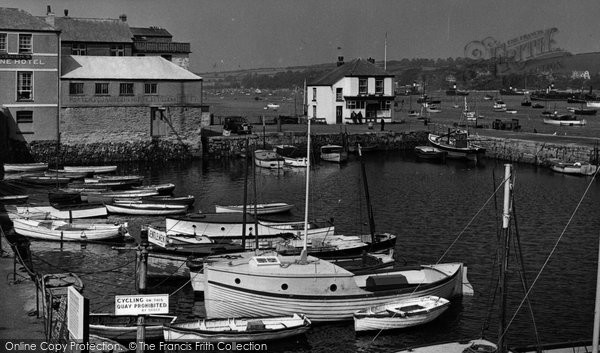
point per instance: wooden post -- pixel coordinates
(245, 206)
(143, 258)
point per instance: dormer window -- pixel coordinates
(362, 86)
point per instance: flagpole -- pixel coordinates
(385, 53)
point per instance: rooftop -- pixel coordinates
(93, 30)
(355, 68)
(17, 19)
(76, 67)
(150, 32)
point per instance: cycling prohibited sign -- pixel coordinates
(141, 304)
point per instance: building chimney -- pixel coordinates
(66, 12)
(340, 61)
(49, 16)
(123, 17)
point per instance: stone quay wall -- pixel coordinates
(97, 135)
(536, 152)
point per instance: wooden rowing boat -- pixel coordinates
(237, 329)
(24, 167)
(124, 328)
(262, 208)
(147, 209)
(91, 169)
(400, 314)
(58, 230)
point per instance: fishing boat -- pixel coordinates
(98, 169)
(110, 196)
(261, 208)
(13, 199)
(145, 209)
(402, 314)
(24, 167)
(333, 153)
(59, 230)
(230, 225)
(575, 168)
(268, 159)
(499, 106)
(57, 211)
(431, 107)
(178, 200)
(124, 328)
(457, 145)
(162, 189)
(254, 329)
(255, 285)
(582, 111)
(291, 156)
(510, 111)
(430, 153)
(564, 120)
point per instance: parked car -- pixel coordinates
(237, 125)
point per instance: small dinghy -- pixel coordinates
(124, 328)
(58, 230)
(237, 329)
(145, 209)
(400, 314)
(261, 208)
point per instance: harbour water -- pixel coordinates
(440, 212)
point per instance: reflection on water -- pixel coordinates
(427, 205)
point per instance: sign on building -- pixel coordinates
(77, 315)
(141, 304)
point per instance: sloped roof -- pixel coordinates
(93, 30)
(150, 32)
(80, 67)
(355, 68)
(17, 19)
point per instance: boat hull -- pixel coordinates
(473, 153)
(146, 209)
(52, 230)
(259, 296)
(120, 328)
(91, 169)
(565, 122)
(50, 212)
(24, 167)
(260, 208)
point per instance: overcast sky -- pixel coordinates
(243, 34)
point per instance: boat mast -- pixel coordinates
(597, 309)
(303, 255)
(504, 254)
(367, 197)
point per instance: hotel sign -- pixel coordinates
(141, 304)
(17, 60)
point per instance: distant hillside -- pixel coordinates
(564, 72)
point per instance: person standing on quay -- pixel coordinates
(382, 124)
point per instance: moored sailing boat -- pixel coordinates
(257, 285)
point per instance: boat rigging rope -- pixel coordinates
(551, 253)
(470, 221)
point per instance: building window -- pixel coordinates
(75, 88)
(314, 111)
(379, 86)
(338, 95)
(101, 88)
(385, 105)
(117, 50)
(24, 85)
(126, 89)
(355, 104)
(314, 94)
(25, 117)
(150, 88)
(3, 43)
(79, 49)
(362, 86)
(25, 45)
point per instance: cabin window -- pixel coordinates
(24, 85)
(284, 286)
(339, 94)
(126, 89)
(25, 44)
(75, 88)
(314, 94)
(333, 287)
(362, 86)
(101, 88)
(237, 281)
(379, 86)
(150, 88)
(3, 48)
(117, 50)
(79, 49)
